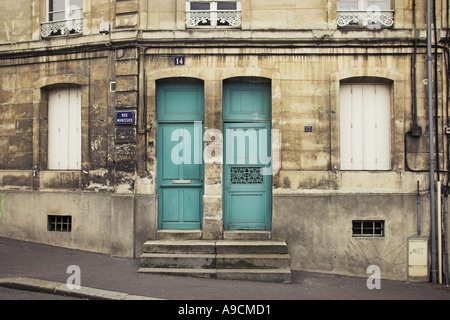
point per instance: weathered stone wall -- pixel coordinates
(314, 202)
(295, 44)
(305, 92)
(318, 231)
(24, 17)
(24, 86)
(114, 224)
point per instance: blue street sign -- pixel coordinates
(125, 117)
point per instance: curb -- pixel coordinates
(37, 285)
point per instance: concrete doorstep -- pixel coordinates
(254, 260)
(51, 287)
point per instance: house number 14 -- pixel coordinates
(179, 61)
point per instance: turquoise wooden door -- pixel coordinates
(247, 150)
(179, 155)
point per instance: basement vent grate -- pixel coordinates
(59, 223)
(368, 228)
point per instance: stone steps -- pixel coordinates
(251, 247)
(256, 260)
(178, 260)
(184, 246)
(252, 261)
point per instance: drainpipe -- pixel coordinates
(439, 233)
(446, 237)
(431, 151)
(418, 209)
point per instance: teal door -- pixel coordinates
(247, 151)
(179, 155)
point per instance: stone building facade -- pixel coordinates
(346, 111)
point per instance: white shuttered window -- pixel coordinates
(64, 129)
(365, 130)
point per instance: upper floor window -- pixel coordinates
(213, 14)
(371, 14)
(63, 17)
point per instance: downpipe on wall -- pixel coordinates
(439, 228)
(446, 236)
(431, 146)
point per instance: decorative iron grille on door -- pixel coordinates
(246, 175)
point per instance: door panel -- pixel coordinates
(181, 207)
(180, 102)
(247, 210)
(246, 102)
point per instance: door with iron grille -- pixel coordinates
(247, 152)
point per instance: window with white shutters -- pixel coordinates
(64, 129)
(365, 130)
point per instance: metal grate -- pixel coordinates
(59, 223)
(368, 228)
(246, 175)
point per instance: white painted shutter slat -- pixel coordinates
(345, 127)
(383, 127)
(357, 128)
(74, 130)
(370, 131)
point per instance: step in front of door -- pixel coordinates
(178, 260)
(233, 260)
(184, 272)
(263, 275)
(251, 247)
(252, 261)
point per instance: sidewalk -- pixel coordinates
(26, 265)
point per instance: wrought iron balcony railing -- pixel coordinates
(213, 19)
(62, 27)
(365, 19)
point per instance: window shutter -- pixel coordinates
(365, 127)
(64, 129)
(57, 129)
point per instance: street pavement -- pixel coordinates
(26, 267)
